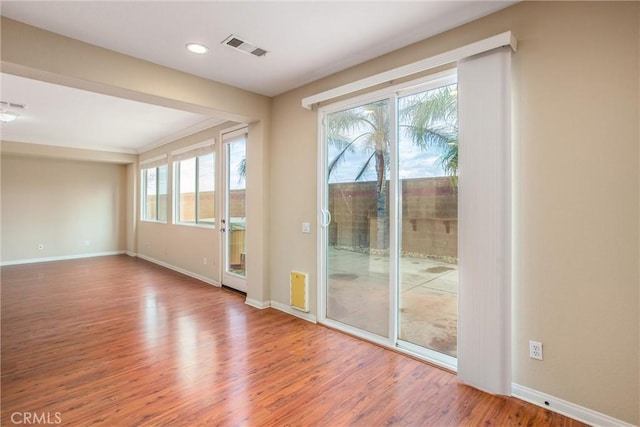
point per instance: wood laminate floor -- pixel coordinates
(118, 341)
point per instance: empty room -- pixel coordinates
(300, 213)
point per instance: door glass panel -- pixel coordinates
(428, 219)
(358, 201)
(236, 207)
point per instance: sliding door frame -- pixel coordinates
(484, 359)
(437, 81)
(325, 218)
(228, 278)
(391, 94)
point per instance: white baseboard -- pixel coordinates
(179, 270)
(131, 254)
(60, 258)
(563, 407)
(257, 304)
(287, 309)
(281, 307)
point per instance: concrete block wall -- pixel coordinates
(429, 217)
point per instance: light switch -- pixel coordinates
(306, 227)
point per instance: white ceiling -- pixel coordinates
(69, 117)
(305, 40)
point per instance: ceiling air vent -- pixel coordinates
(7, 111)
(5, 104)
(243, 46)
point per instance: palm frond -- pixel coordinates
(348, 146)
(430, 120)
(449, 159)
(430, 137)
(242, 168)
(364, 167)
(370, 122)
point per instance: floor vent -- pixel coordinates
(299, 291)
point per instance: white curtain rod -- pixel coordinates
(499, 40)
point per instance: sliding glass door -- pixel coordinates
(389, 204)
(357, 251)
(428, 222)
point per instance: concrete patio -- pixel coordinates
(359, 296)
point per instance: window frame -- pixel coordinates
(176, 193)
(144, 195)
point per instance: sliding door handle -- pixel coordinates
(326, 218)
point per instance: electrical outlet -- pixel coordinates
(204, 260)
(535, 350)
(306, 227)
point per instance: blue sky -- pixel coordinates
(207, 170)
(414, 163)
(237, 152)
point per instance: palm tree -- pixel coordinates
(242, 168)
(428, 119)
(370, 125)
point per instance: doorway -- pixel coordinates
(389, 201)
(233, 219)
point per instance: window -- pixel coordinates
(195, 193)
(154, 193)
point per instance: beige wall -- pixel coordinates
(191, 248)
(576, 182)
(576, 193)
(26, 51)
(62, 204)
(181, 246)
(186, 247)
(132, 208)
(258, 205)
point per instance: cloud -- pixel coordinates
(414, 162)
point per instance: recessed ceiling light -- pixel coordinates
(7, 117)
(6, 113)
(197, 48)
